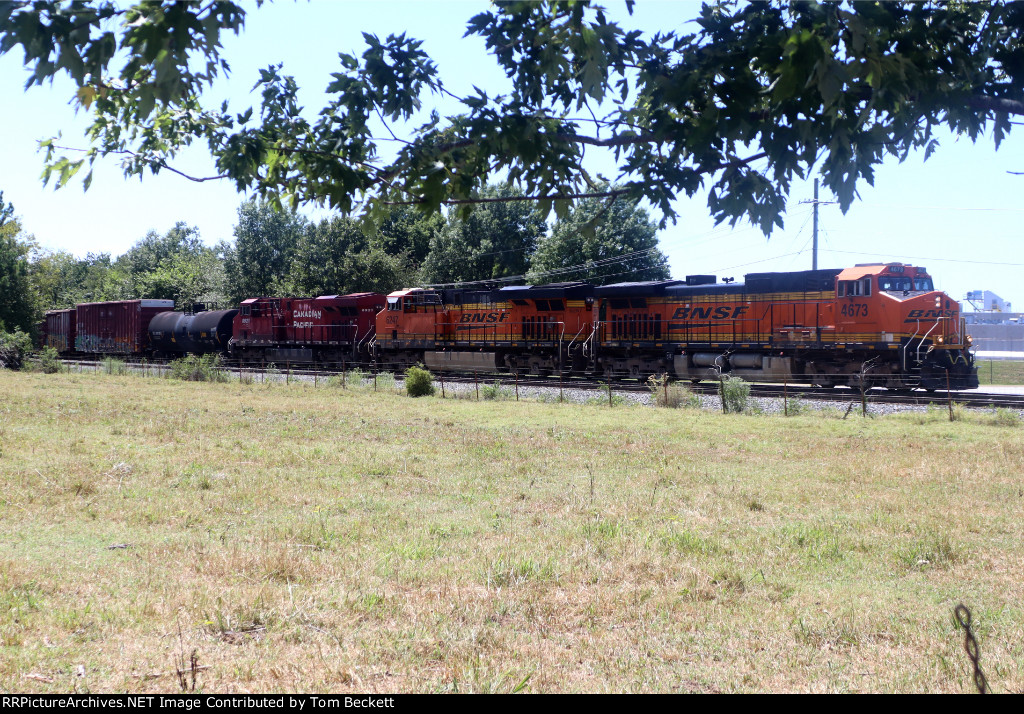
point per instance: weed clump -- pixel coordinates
(673, 395)
(1005, 417)
(419, 382)
(195, 368)
(735, 394)
(495, 392)
(114, 366)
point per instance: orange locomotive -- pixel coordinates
(883, 324)
(541, 330)
(879, 324)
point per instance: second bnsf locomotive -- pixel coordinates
(878, 325)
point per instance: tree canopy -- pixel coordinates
(600, 244)
(759, 94)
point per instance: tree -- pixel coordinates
(600, 243)
(495, 241)
(175, 266)
(17, 308)
(758, 95)
(6, 210)
(265, 242)
(336, 257)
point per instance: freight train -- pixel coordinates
(876, 325)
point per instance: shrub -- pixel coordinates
(49, 361)
(419, 382)
(193, 368)
(13, 348)
(670, 394)
(736, 393)
(796, 406)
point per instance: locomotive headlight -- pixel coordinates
(940, 339)
(970, 340)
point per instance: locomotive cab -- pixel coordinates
(909, 334)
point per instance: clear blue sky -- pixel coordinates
(960, 214)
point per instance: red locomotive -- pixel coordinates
(332, 330)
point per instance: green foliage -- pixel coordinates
(755, 95)
(385, 382)
(174, 266)
(736, 393)
(114, 366)
(495, 240)
(198, 368)
(48, 361)
(495, 392)
(418, 382)
(608, 239)
(671, 394)
(13, 348)
(335, 257)
(265, 244)
(1006, 417)
(17, 309)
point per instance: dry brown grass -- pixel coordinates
(314, 540)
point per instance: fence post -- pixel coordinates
(517, 384)
(476, 383)
(785, 397)
(441, 374)
(949, 396)
(610, 403)
(721, 392)
(561, 389)
(288, 372)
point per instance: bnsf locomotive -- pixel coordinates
(878, 324)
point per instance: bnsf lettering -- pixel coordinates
(915, 315)
(723, 312)
(489, 317)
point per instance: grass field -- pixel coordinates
(301, 539)
(1000, 371)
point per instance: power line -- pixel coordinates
(921, 257)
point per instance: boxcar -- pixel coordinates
(59, 330)
(116, 327)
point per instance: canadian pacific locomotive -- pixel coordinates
(877, 324)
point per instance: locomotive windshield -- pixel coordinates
(923, 284)
(894, 283)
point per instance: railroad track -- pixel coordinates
(767, 391)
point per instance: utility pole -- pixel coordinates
(814, 250)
